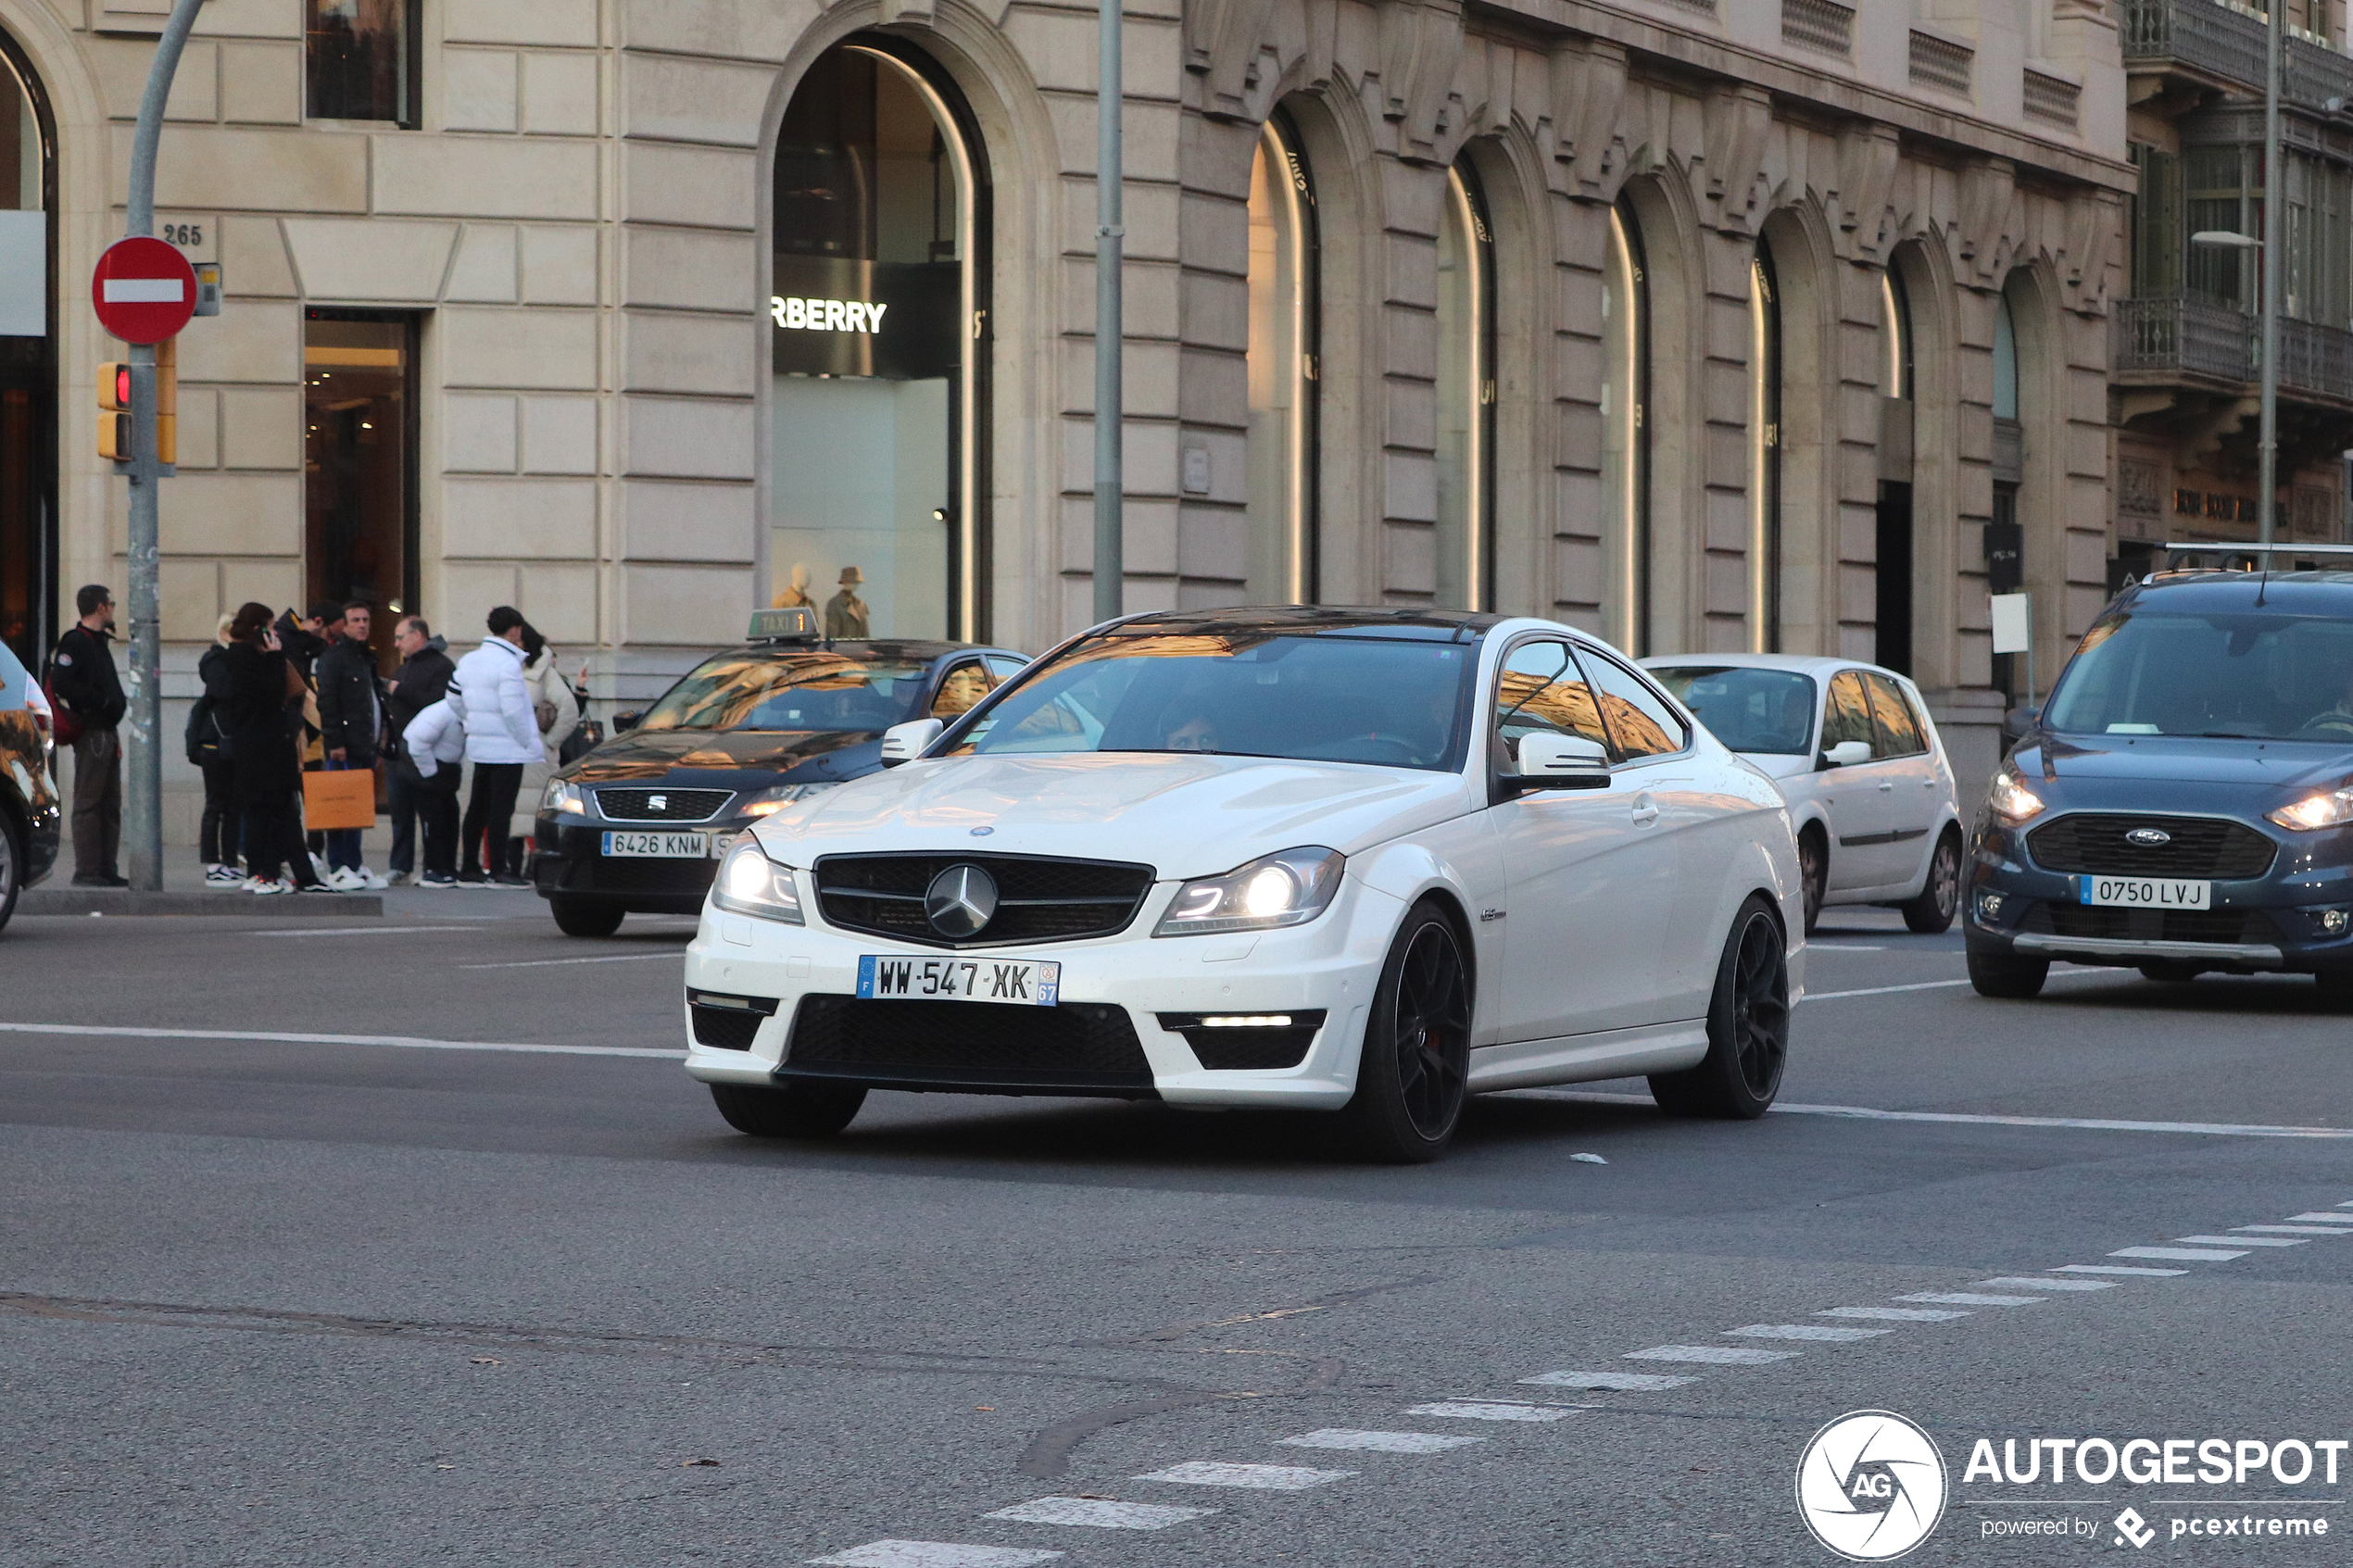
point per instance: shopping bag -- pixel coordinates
(341, 799)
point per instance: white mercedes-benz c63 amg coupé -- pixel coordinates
(1359, 860)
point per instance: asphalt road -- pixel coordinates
(281, 1301)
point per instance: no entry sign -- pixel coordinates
(145, 290)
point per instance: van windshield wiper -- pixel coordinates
(2229, 734)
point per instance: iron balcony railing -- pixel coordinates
(2220, 41)
(2194, 337)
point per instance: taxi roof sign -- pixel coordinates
(797, 625)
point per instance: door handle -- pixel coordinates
(1645, 811)
(1885, 788)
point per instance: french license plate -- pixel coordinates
(1022, 982)
(2144, 893)
(657, 846)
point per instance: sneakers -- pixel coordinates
(375, 884)
(344, 879)
(319, 867)
(399, 879)
(437, 881)
(472, 878)
(322, 887)
(256, 886)
(223, 876)
(503, 880)
(100, 879)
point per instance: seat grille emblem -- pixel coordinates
(657, 803)
(2148, 838)
(961, 901)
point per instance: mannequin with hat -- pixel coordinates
(845, 612)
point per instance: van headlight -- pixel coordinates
(2316, 811)
(562, 797)
(2012, 801)
(751, 884)
(1290, 888)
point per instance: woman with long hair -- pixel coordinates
(259, 697)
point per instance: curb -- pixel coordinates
(126, 902)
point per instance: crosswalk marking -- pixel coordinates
(1255, 1477)
(1892, 1314)
(932, 1554)
(2180, 1254)
(1379, 1442)
(1626, 1382)
(1968, 1298)
(2019, 1282)
(1102, 1514)
(1492, 1410)
(1721, 1355)
(1821, 1331)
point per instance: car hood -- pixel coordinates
(2180, 760)
(674, 756)
(1183, 813)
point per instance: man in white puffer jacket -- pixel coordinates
(502, 736)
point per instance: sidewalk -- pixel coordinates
(184, 892)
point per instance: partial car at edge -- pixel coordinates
(32, 813)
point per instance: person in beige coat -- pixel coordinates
(556, 710)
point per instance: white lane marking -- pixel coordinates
(1493, 1409)
(1882, 990)
(1717, 1355)
(1379, 1442)
(127, 1032)
(357, 931)
(2325, 1217)
(1630, 1382)
(932, 1554)
(1843, 947)
(2118, 1268)
(2019, 1282)
(1252, 1477)
(1822, 1331)
(1102, 1514)
(2179, 1254)
(1963, 1117)
(1968, 1298)
(544, 963)
(1892, 1314)
(2292, 1230)
(2236, 1241)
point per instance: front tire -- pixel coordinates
(2007, 976)
(1747, 1027)
(2336, 987)
(1414, 1072)
(583, 917)
(789, 1110)
(1931, 913)
(2169, 973)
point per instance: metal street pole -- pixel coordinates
(2274, 196)
(1110, 479)
(142, 758)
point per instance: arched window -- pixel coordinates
(1764, 455)
(1891, 615)
(1466, 546)
(1282, 360)
(1624, 392)
(877, 325)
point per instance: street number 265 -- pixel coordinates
(183, 233)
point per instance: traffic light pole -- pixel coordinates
(143, 758)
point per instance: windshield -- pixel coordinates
(1322, 698)
(1770, 710)
(2253, 676)
(759, 689)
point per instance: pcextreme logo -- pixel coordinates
(1871, 1486)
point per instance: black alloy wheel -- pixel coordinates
(789, 1110)
(1414, 1072)
(1748, 1020)
(1813, 875)
(1931, 913)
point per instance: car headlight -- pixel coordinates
(751, 884)
(768, 802)
(2316, 811)
(2012, 801)
(562, 795)
(1290, 888)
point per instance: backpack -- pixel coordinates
(206, 740)
(64, 728)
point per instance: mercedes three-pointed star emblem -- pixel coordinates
(960, 901)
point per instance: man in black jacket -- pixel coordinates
(421, 681)
(82, 670)
(351, 716)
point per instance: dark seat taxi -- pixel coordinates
(636, 826)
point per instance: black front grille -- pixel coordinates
(728, 1024)
(2152, 925)
(1038, 898)
(1261, 1047)
(1082, 1047)
(677, 805)
(2094, 843)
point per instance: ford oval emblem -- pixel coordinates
(2148, 838)
(983, 832)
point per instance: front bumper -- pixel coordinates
(791, 991)
(568, 862)
(2277, 922)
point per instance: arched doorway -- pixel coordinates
(879, 333)
(1763, 454)
(1464, 565)
(28, 361)
(1282, 369)
(1892, 617)
(1626, 541)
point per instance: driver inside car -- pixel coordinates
(1196, 731)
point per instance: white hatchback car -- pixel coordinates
(1365, 862)
(1869, 788)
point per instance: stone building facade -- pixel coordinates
(1708, 324)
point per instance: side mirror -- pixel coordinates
(1550, 761)
(904, 742)
(1847, 753)
(2017, 721)
(628, 720)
